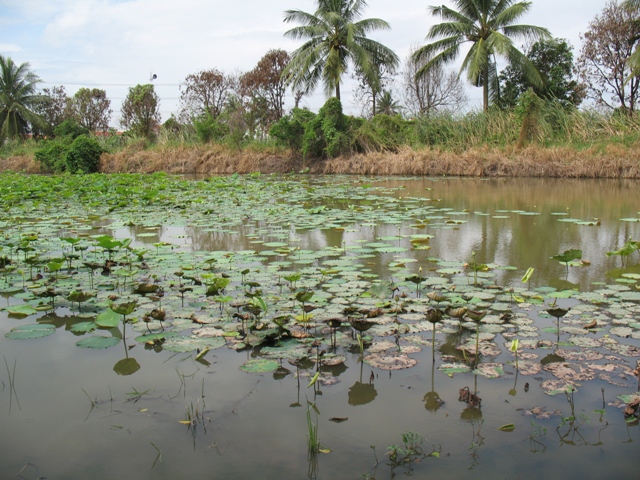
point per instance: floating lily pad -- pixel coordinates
(259, 365)
(83, 327)
(97, 341)
(35, 330)
(390, 361)
(21, 310)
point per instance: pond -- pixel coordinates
(282, 327)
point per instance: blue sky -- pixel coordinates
(116, 44)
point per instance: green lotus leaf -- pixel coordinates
(108, 319)
(21, 310)
(259, 365)
(34, 330)
(97, 342)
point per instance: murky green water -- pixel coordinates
(65, 412)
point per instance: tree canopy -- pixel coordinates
(489, 26)
(336, 35)
(554, 60)
(18, 99)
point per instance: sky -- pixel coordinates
(116, 44)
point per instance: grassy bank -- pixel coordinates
(611, 161)
(565, 144)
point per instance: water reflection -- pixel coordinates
(362, 393)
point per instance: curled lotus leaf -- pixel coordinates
(456, 312)
(434, 315)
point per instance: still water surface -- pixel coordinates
(71, 416)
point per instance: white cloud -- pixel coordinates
(114, 42)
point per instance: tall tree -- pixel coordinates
(205, 93)
(604, 58)
(435, 90)
(18, 99)
(554, 61)
(387, 104)
(54, 108)
(91, 109)
(488, 26)
(141, 110)
(371, 86)
(265, 86)
(336, 36)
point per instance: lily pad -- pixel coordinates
(390, 361)
(35, 330)
(97, 342)
(259, 365)
(21, 310)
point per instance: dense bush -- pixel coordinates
(289, 130)
(327, 134)
(83, 156)
(61, 155)
(70, 129)
(210, 128)
(52, 155)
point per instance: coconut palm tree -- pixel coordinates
(17, 98)
(488, 26)
(387, 104)
(335, 36)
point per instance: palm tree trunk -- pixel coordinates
(338, 89)
(485, 87)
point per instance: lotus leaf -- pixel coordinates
(35, 330)
(259, 365)
(97, 342)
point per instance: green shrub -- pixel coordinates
(289, 130)
(83, 155)
(52, 155)
(70, 129)
(209, 128)
(383, 133)
(327, 134)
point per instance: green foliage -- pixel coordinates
(489, 27)
(335, 36)
(83, 155)
(554, 60)
(326, 134)
(210, 128)
(70, 130)
(18, 99)
(383, 133)
(528, 110)
(289, 130)
(52, 155)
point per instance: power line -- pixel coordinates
(107, 84)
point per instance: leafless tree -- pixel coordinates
(437, 90)
(603, 64)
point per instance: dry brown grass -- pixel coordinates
(561, 162)
(614, 161)
(20, 163)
